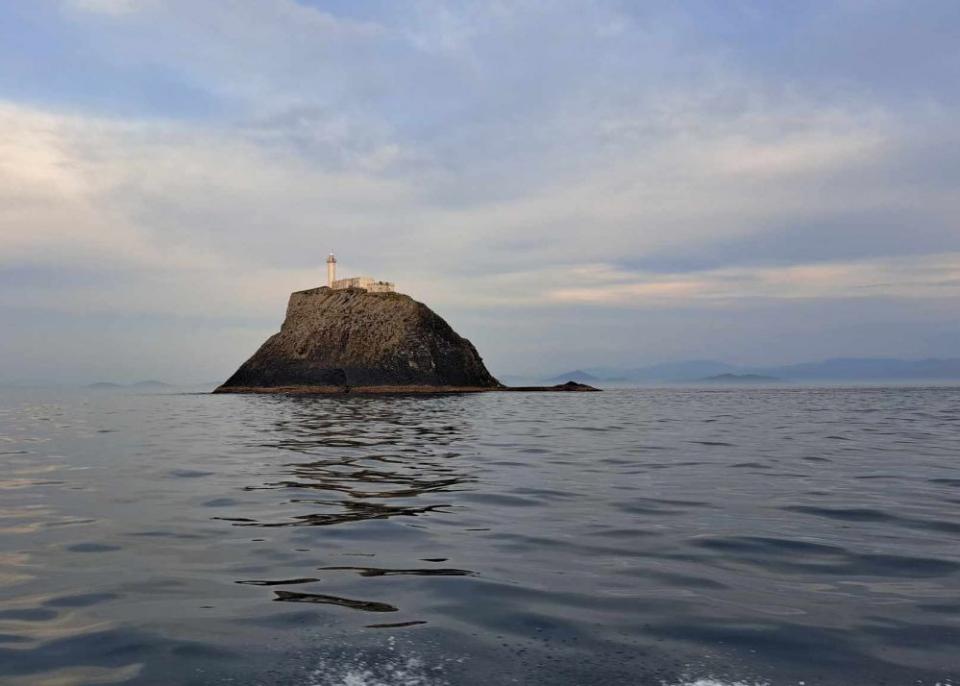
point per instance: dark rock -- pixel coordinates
(574, 386)
(576, 375)
(569, 386)
(354, 340)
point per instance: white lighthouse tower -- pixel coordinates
(331, 270)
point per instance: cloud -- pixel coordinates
(241, 210)
(491, 158)
(909, 277)
(114, 7)
(173, 210)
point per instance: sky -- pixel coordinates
(568, 183)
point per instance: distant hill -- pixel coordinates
(689, 370)
(833, 369)
(867, 368)
(740, 378)
(577, 375)
(150, 384)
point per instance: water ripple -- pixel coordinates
(660, 536)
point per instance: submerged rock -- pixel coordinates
(351, 339)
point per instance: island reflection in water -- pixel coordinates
(633, 536)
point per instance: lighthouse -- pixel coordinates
(366, 283)
(331, 270)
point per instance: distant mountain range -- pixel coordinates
(834, 369)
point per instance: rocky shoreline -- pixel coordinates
(569, 387)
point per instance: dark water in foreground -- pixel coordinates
(707, 537)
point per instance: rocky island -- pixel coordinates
(352, 339)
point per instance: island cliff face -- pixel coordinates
(352, 339)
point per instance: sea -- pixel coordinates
(639, 536)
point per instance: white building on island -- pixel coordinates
(367, 283)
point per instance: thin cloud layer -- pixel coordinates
(508, 163)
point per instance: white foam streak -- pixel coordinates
(401, 672)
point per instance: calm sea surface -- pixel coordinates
(664, 537)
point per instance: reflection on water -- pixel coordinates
(77, 676)
(372, 571)
(351, 512)
(379, 454)
(642, 537)
(363, 605)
